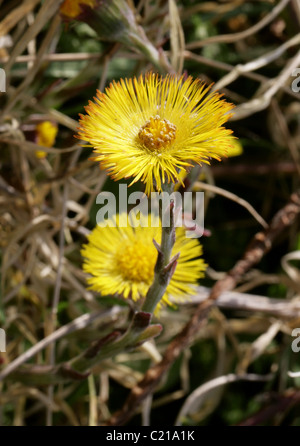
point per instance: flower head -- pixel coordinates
(152, 127)
(236, 148)
(121, 259)
(73, 9)
(46, 132)
(113, 20)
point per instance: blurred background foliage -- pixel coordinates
(53, 69)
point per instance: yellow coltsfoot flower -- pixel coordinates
(152, 127)
(121, 258)
(72, 9)
(46, 132)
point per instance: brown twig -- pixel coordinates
(278, 406)
(243, 34)
(260, 245)
(229, 170)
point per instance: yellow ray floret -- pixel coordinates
(120, 259)
(152, 127)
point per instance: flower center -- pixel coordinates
(136, 261)
(157, 133)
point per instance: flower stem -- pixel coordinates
(165, 265)
(158, 59)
